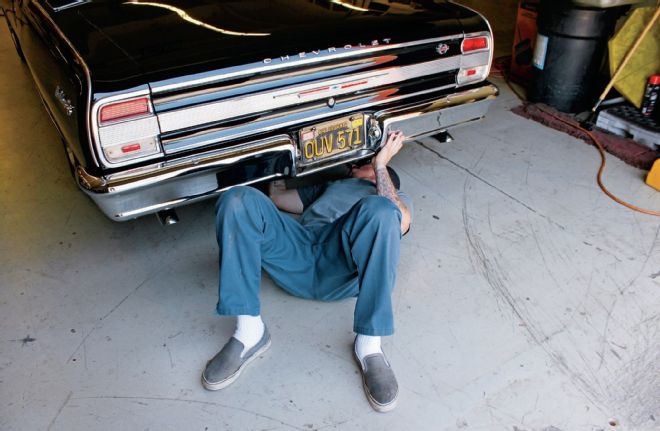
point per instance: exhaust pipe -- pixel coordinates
(167, 217)
(443, 136)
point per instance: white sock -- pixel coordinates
(367, 345)
(249, 330)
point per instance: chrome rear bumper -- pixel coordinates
(149, 189)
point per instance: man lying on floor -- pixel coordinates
(345, 244)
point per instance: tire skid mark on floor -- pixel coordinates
(59, 412)
(469, 172)
(629, 386)
(192, 402)
(488, 266)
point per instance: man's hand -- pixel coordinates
(286, 200)
(276, 187)
(388, 150)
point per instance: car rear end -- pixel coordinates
(298, 109)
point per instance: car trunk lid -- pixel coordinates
(173, 38)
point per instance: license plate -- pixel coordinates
(325, 140)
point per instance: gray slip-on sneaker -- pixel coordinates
(227, 365)
(379, 381)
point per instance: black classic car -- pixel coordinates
(163, 103)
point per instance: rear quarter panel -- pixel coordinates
(58, 75)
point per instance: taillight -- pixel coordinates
(131, 148)
(128, 131)
(475, 61)
(122, 152)
(124, 110)
(474, 44)
(472, 74)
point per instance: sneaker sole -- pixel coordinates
(229, 380)
(381, 408)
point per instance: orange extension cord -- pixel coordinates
(500, 71)
(599, 177)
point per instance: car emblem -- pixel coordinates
(442, 48)
(331, 102)
(64, 100)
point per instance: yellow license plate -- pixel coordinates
(333, 137)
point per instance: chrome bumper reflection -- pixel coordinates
(133, 193)
(437, 115)
(153, 188)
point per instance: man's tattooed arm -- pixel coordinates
(384, 182)
(386, 188)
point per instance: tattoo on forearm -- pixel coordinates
(386, 188)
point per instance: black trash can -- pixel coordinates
(569, 51)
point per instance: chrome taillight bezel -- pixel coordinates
(482, 66)
(147, 131)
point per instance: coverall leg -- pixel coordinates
(356, 255)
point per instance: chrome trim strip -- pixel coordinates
(217, 111)
(83, 65)
(259, 67)
(73, 3)
(301, 75)
(225, 134)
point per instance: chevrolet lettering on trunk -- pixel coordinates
(330, 50)
(163, 103)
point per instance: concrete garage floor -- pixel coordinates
(526, 299)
